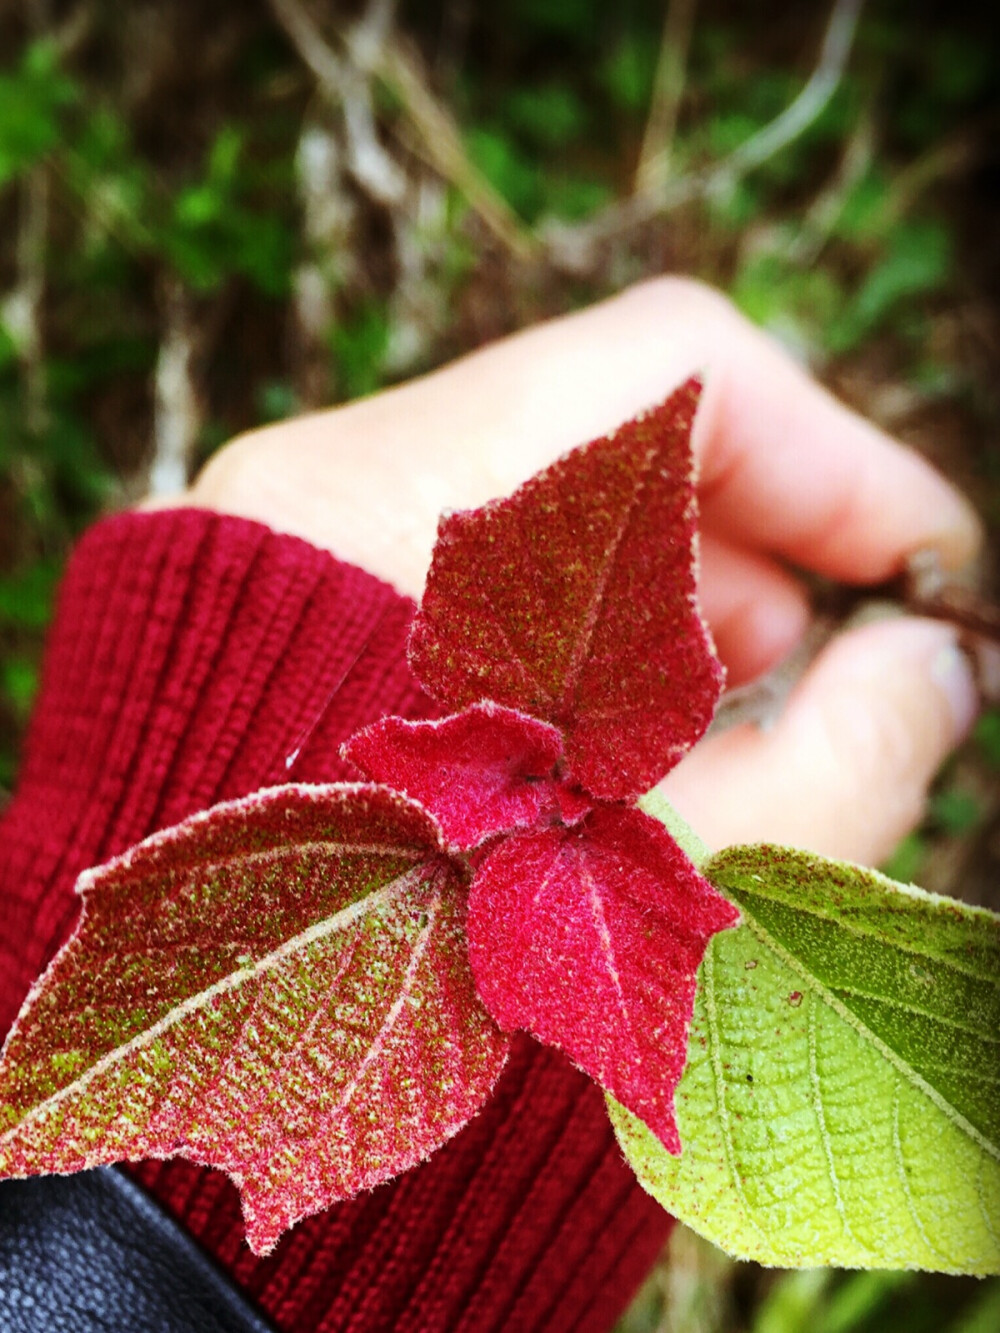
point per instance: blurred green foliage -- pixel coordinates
(822, 1301)
(987, 735)
(32, 96)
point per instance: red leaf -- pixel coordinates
(480, 772)
(279, 987)
(590, 938)
(574, 601)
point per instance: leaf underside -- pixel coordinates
(574, 601)
(279, 987)
(841, 1102)
(590, 938)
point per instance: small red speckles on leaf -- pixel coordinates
(574, 601)
(483, 771)
(282, 987)
(590, 938)
(279, 987)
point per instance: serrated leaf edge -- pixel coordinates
(589, 621)
(91, 877)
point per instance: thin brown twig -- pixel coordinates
(803, 110)
(826, 209)
(948, 158)
(371, 53)
(347, 86)
(329, 212)
(440, 145)
(73, 31)
(574, 247)
(653, 167)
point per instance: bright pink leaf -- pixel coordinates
(590, 939)
(574, 601)
(480, 772)
(279, 987)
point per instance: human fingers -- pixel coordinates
(784, 467)
(845, 769)
(756, 610)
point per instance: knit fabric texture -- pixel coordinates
(196, 658)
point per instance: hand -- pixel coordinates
(787, 477)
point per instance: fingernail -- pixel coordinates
(952, 673)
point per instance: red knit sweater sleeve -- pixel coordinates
(197, 657)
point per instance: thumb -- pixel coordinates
(845, 770)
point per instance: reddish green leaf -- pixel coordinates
(574, 601)
(480, 772)
(590, 938)
(279, 987)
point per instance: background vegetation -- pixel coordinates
(216, 215)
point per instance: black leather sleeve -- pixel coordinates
(92, 1253)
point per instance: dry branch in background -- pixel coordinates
(177, 417)
(575, 247)
(329, 215)
(22, 308)
(372, 52)
(653, 169)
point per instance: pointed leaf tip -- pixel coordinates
(278, 987)
(590, 938)
(574, 600)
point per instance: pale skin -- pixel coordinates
(788, 477)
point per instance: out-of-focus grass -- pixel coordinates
(696, 1289)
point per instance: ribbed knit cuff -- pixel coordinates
(194, 658)
(197, 657)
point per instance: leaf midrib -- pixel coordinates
(844, 1011)
(589, 621)
(193, 1004)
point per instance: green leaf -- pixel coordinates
(917, 263)
(31, 99)
(359, 345)
(905, 861)
(511, 172)
(567, 18)
(274, 400)
(628, 70)
(840, 1100)
(19, 684)
(26, 597)
(575, 197)
(955, 811)
(8, 347)
(551, 115)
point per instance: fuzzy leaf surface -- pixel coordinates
(480, 772)
(574, 600)
(590, 938)
(840, 1103)
(278, 987)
